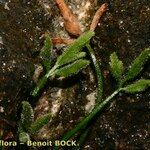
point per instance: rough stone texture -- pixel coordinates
(125, 29)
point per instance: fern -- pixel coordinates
(73, 68)
(45, 53)
(73, 50)
(27, 126)
(137, 65)
(26, 115)
(73, 60)
(138, 86)
(39, 123)
(116, 67)
(69, 57)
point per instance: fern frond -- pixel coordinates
(138, 86)
(72, 50)
(138, 64)
(116, 66)
(73, 68)
(26, 115)
(39, 123)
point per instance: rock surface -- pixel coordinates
(125, 29)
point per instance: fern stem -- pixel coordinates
(82, 139)
(86, 120)
(98, 73)
(42, 82)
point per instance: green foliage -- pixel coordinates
(116, 67)
(138, 86)
(137, 65)
(27, 125)
(45, 53)
(72, 61)
(24, 137)
(83, 138)
(73, 68)
(98, 73)
(72, 51)
(39, 123)
(67, 60)
(26, 115)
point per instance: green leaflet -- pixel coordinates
(45, 53)
(137, 86)
(24, 137)
(73, 68)
(72, 51)
(76, 57)
(116, 66)
(26, 115)
(39, 123)
(137, 64)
